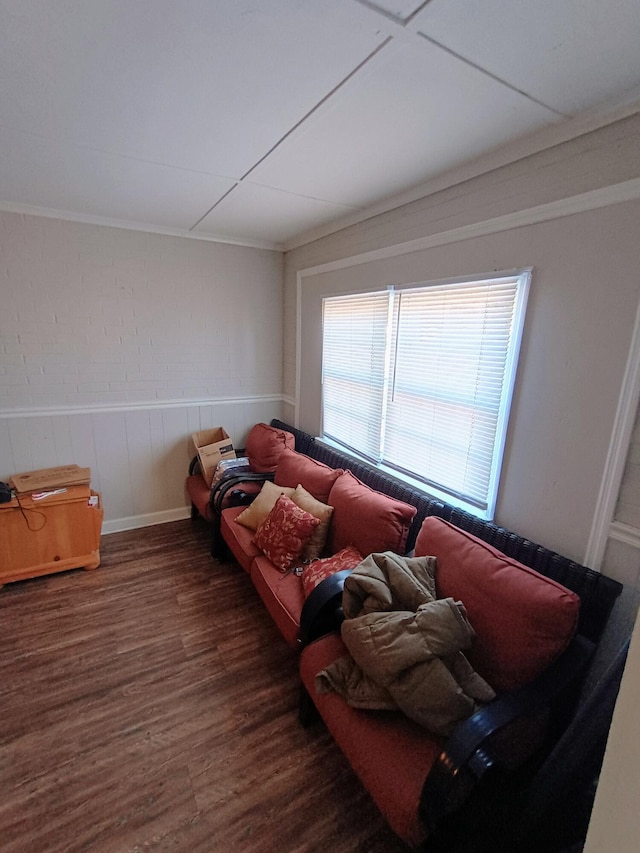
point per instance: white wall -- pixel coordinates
(614, 822)
(554, 457)
(585, 294)
(115, 345)
(545, 212)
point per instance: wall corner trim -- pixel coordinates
(601, 527)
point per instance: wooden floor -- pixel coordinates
(150, 705)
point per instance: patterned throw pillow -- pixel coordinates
(285, 531)
(253, 516)
(317, 571)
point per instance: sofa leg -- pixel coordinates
(215, 545)
(194, 511)
(219, 549)
(307, 711)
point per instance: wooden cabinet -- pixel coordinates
(41, 535)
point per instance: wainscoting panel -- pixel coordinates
(139, 456)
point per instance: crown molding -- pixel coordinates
(88, 219)
(581, 203)
(519, 149)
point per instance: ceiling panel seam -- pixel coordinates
(490, 74)
(319, 104)
(213, 207)
(295, 127)
(408, 30)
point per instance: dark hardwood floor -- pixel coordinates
(150, 705)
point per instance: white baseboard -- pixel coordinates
(117, 525)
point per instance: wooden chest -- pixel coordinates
(47, 532)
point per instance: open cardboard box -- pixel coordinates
(212, 445)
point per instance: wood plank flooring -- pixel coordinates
(150, 705)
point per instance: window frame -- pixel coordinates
(522, 279)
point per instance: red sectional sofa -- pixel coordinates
(523, 622)
(361, 517)
(536, 615)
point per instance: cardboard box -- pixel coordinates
(212, 445)
(50, 478)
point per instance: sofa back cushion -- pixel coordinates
(295, 469)
(264, 446)
(366, 519)
(523, 620)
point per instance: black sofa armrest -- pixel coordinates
(322, 611)
(221, 489)
(470, 748)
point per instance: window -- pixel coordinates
(419, 378)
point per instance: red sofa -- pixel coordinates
(263, 448)
(537, 618)
(361, 517)
(523, 622)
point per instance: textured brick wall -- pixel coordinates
(101, 316)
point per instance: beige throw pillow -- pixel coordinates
(315, 546)
(264, 502)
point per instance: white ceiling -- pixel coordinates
(268, 121)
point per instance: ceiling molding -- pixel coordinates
(172, 140)
(519, 149)
(580, 203)
(527, 146)
(87, 219)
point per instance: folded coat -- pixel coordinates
(405, 645)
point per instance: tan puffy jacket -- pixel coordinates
(405, 645)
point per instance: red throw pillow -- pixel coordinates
(284, 533)
(318, 570)
(264, 446)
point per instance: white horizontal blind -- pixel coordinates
(354, 370)
(419, 379)
(451, 352)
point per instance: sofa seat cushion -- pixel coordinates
(368, 520)
(282, 595)
(297, 469)
(239, 539)
(199, 494)
(391, 754)
(264, 446)
(523, 620)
